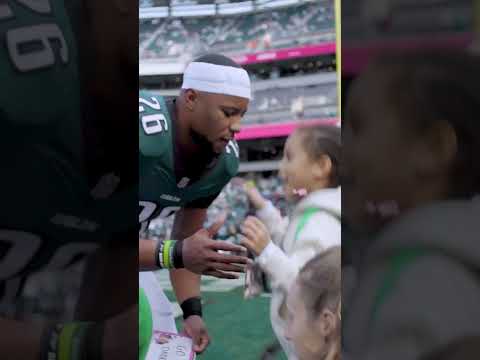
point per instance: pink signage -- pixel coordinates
(354, 58)
(278, 129)
(284, 54)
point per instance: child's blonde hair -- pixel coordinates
(320, 282)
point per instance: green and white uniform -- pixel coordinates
(48, 219)
(40, 97)
(45, 218)
(163, 190)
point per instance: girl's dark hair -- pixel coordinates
(320, 281)
(440, 86)
(324, 140)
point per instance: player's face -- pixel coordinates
(219, 118)
(295, 168)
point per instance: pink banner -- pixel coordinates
(280, 129)
(284, 54)
(355, 58)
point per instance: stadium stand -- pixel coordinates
(152, 3)
(284, 104)
(233, 201)
(297, 25)
(276, 100)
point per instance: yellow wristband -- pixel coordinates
(71, 340)
(65, 343)
(166, 254)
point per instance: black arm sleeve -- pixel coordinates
(201, 203)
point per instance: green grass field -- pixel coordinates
(239, 329)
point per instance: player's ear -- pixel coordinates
(191, 98)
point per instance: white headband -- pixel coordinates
(217, 79)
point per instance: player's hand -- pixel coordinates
(256, 235)
(200, 254)
(195, 328)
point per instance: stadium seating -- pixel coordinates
(152, 3)
(157, 3)
(290, 26)
(308, 96)
(286, 104)
(234, 202)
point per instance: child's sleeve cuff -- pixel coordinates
(267, 253)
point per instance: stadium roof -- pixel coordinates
(150, 9)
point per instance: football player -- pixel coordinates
(187, 155)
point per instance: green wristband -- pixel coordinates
(69, 341)
(168, 247)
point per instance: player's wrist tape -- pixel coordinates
(169, 254)
(77, 340)
(192, 306)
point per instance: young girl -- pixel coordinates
(310, 170)
(313, 304)
(412, 145)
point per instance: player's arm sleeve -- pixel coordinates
(202, 203)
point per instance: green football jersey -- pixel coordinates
(40, 97)
(48, 220)
(160, 193)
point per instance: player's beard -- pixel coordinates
(202, 141)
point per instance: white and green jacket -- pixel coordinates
(313, 227)
(419, 287)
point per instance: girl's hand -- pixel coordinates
(256, 235)
(254, 195)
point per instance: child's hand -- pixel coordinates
(256, 234)
(254, 195)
